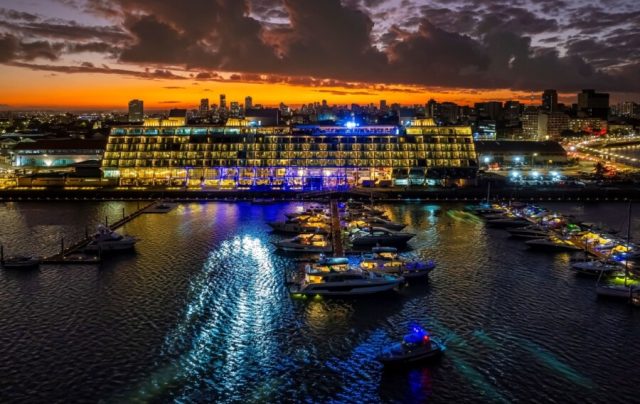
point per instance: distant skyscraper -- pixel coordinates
(204, 107)
(136, 111)
(550, 100)
(431, 108)
(248, 102)
(593, 105)
(223, 101)
(491, 110)
(234, 109)
(383, 105)
(512, 111)
(324, 103)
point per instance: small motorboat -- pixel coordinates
(417, 346)
(528, 232)
(161, 206)
(107, 240)
(20, 261)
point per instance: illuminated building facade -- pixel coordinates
(243, 156)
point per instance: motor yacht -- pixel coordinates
(302, 224)
(508, 221)
(378, 236)
(306, 243)
(417, 346)
(314, 210)
(385, 260)
(107, 240)
(595, 267)
(528, 232)
(344, 283)
(365, 221)
(552, 244)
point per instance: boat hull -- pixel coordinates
(347, 290)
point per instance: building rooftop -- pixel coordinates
(62, 144)
(517, 146)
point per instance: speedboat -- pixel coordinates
(20, 261)
(161, 206)
(552, 244)
(595, 267)
(306, 243)
(344, 283)
(375, 236)
(417, 346)
(385, 260)
(106, 240)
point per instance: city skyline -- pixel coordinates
(88, 54)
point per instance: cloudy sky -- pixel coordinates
(100, 53)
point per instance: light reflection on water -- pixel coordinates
(201, 313)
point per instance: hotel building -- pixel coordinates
(243, 155)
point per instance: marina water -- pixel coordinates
(200, 312)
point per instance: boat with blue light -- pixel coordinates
(416, 347)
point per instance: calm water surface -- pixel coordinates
(200, 313)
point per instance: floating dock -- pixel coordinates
(73, 254)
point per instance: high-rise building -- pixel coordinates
(136, 111)
(383, 105)
(489, 110)
(204, 107)
(593, 105)
(431, 108)
(248, 102)
(530, 124)
(223, 101)
(512, 111)
(550, 100)
(449, 112)
(234, 109)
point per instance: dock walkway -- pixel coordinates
(336, 230)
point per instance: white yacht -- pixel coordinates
(385, 260)
(306, 243)
(377, 236)
(368, 221)
(106, 240)
(344, 283)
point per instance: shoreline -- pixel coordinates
(473, 194)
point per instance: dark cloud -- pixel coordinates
(174, 87)
(169, 102)
(522, 45)
(17, 15)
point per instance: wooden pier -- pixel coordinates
(336, 230)
(73, 253)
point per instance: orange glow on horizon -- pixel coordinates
(29, 89)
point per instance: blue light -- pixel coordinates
(350, 125)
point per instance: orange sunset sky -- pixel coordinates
(31, 89)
